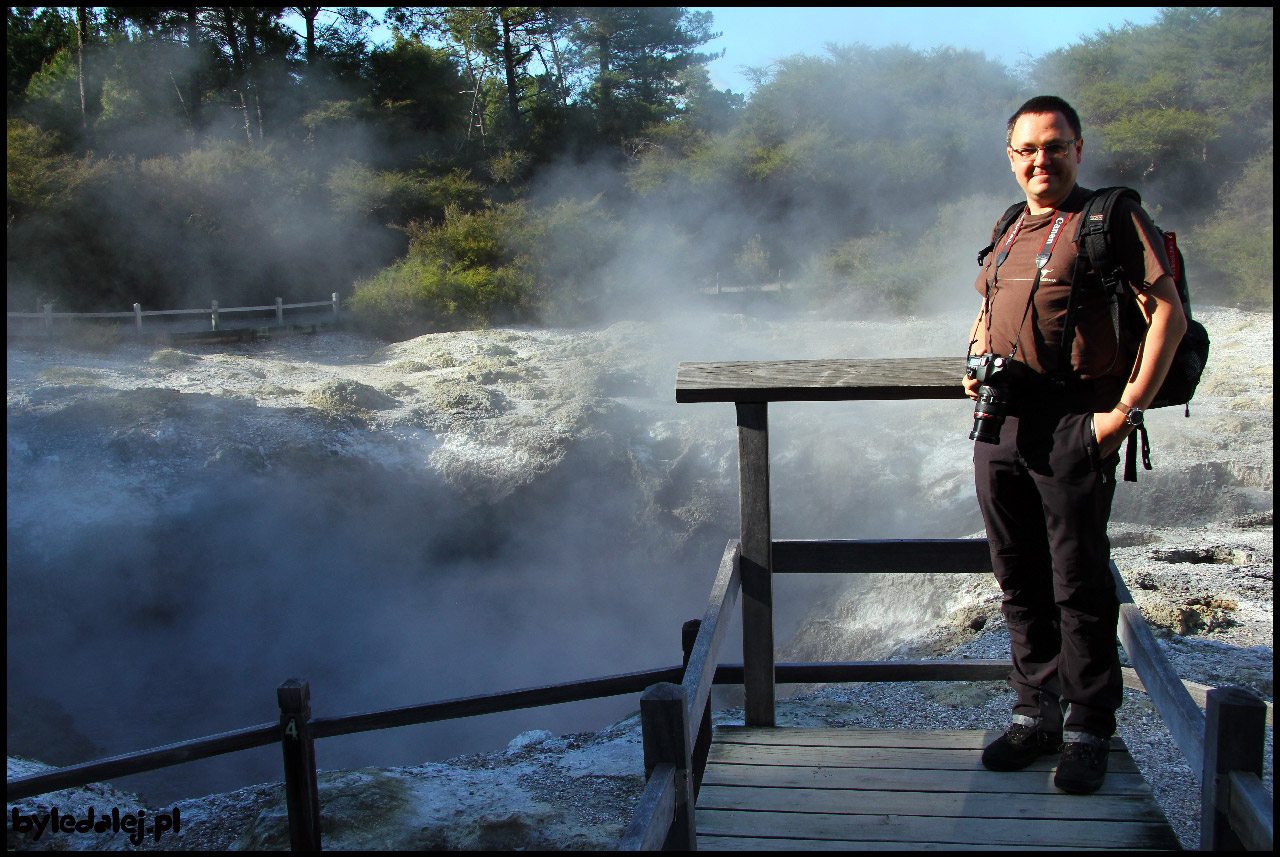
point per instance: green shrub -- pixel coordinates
(498, 265)
(39, 175)
(1236, 242)
(393, 197)
(871, 273)
(416, 296)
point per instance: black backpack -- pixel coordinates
(1094, 238)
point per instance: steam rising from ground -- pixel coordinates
(185, 532)
(458, 514)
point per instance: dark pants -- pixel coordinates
(1046, 498)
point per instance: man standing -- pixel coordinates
(1046, 482)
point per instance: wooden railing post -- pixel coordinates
(702, 746)
(1234, 734)
(214, 319)
(48, 318)
(665, 732)
(137, 316)
(302, 795)
(757, 563)
(279, 310)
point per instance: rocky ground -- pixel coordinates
(490, 413)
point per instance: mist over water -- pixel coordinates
(160, 601)
(154, 601)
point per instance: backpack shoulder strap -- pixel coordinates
(1006, 220)
(1094, 227)
(1093, 240)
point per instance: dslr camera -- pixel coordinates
(996, 376)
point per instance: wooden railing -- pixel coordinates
(47, 316)
(297, 733)
(1225, 746)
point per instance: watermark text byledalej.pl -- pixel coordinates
(136, 824)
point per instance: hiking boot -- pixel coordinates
(1018, 747)
(1083, 766)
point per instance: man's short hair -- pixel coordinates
(1047, 104)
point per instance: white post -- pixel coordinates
(48, 318)
(279, 310)
(215, 315)
(335, 306)
(137, 316)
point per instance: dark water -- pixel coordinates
(380, 588)
(176, 618)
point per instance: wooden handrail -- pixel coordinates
(142, 761)
(650, 823)
(701, 671)
(1176, 707)
(821, 380)
(882, 556)
(493, 703)
(976, 669)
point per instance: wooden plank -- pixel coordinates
(821, 380)
(945, 739)
(745, 843)
(699, 673)
(756, 563)
(923, 758)
(1040, 832)
(881, 556)
(1038, 778)
(865, 671)
(651, 821)
(1127, 807)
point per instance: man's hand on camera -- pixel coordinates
(971, 387)
(1110, 429)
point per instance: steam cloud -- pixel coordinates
(176, 613)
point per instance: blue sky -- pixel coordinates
(756, 36)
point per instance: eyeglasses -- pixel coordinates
(1053, 150)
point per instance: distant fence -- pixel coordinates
(43, 321)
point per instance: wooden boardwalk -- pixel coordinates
(780, 788)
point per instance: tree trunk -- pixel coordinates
(193, 80)
(233, 41)
(606, 85)
(244, 108)
(82, 24)
(309, 14)
(513, 92)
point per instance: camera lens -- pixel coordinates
(989, 414)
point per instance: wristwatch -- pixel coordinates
(1132, 415)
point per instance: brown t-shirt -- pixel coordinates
(1140, 252)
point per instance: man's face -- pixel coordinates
(1046, 180)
